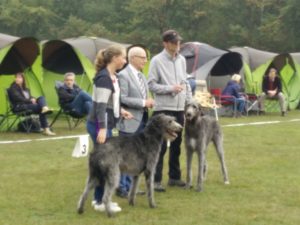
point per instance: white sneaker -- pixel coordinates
(94, 202)
(101, 208)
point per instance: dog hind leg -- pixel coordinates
(218, 142)
(112, 179)
(90, 184)
(133, 190)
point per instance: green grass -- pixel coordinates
(40, 182)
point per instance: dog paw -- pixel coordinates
(131, 203)
(153, 205)
(80, 210)
(227, 182)
(188, 186)
(199, 189)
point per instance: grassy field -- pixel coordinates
(40, 182)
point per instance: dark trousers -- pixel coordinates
(125, 180)
(37, 108)
(174, 163)
(93, 132)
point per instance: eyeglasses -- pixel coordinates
(141, 57)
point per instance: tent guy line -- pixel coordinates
(76, 136)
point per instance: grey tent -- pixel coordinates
(6, 39)
(210, 63)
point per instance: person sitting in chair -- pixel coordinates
(72, 98)
(233, 88)
(272, 89)
(22, 100)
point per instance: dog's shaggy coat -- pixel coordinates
(132, 155)
(200, 130)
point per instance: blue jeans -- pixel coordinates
(125, 180)
(192, 83)
(92, 130)
(82, 103)
(240, 104)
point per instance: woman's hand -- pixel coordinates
(33, 100)
(101, 138)
(127, 115)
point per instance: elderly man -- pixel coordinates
(168, 82)
(71, 97)
(134, 99)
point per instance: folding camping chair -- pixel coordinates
(14, 115)
(204, 98)
(252, 103)
(73, 118)
(227, 102)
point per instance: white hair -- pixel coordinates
(69, 74)
(135, 51)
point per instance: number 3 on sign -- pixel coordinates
(83, 149)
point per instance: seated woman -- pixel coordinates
(233, 88)
(71, 97)
(21, 99)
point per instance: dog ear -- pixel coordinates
(201, 109)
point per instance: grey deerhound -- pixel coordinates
(200, 130)
(132, 155)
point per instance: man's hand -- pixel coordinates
(149, 103)
(127, 115)
(178, 88)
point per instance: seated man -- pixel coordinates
(71, 97)
(272, 89)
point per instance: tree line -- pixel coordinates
(270, 25)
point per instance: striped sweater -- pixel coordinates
(102, 110)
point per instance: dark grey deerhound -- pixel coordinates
(132, 155)
(200, 130)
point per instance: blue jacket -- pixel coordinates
(232, 88)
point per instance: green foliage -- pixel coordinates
(268, 25)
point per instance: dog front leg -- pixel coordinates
(201, 162)
(90, 184)
(189, 157)
(149, 177)
(133, 190)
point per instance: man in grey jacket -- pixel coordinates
(168, 82)
(135, 99)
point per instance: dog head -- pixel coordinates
(192, 109)
(166, 125)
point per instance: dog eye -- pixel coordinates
(194, 107)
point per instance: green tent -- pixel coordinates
(17, 56)
(289, 73)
